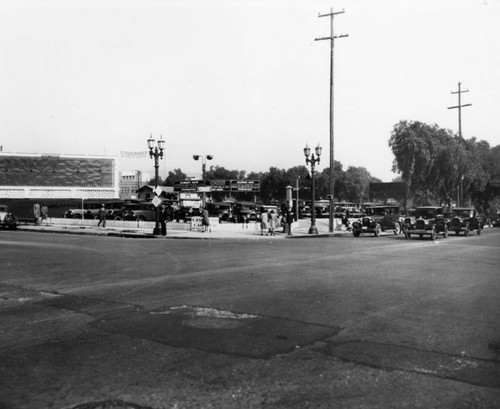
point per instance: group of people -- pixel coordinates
(166, 216)
(270, 221)
(40, 213)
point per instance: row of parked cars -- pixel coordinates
(423, 221)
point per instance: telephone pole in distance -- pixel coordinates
(460, 106)
(332, 38)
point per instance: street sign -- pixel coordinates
(158, 190)
(156, 201)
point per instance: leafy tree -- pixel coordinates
(220, 172)
(356, 184)
(176, 176)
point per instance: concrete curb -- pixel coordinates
(175, 234)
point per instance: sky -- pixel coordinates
(244, 81)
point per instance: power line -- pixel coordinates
(459, 107)
(332, 38)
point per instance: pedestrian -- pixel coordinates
(289, 222)
(163, 219)
(36, 212)
(264, 222)
(273, 221)
(102, 216)
(45, 213)
(205, 221)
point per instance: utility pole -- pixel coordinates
(460, 106)
(332, 38)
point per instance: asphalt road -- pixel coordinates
(104, 322)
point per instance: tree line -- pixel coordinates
(350, 185)
(434, 164)
(439, 167)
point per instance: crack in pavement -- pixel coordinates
(474, 371)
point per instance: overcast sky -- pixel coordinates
(242, 80)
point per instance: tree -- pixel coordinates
(220, 172)
(356, 184)
(176, 176)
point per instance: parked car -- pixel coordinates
(222, 210)
(7, 219)
(378, 219)
(244, 211)
(76, 213)
(465, 219)
(429, 220)
(136, 211)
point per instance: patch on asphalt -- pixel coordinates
(215, 330)
(474, 371)
(90, 306)
(110, 404)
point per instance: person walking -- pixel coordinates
(45, 213)
(273, 221)
(206, 220)
(163, 219)
(36, 212)
(102, 216)
(264, 220)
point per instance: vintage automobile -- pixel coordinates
(136, 212)
(465, 219)
(7, 219)
(428, 221)
(378, 219)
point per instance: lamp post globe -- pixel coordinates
(312, 162)
(156, 153)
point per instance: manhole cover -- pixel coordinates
(215, 330)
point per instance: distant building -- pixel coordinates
(146, 192)
(130, 182)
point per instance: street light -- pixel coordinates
(203, 170)
(312, 162)
(156, 152)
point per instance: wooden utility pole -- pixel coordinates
(332, 38)
(459, 107)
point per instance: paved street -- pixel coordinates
(94, 322)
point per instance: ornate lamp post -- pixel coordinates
(203, 170)
(312, 162)
(156, 152)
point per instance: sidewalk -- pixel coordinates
(229, 231)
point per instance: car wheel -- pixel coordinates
(397, 228)
(378, 230)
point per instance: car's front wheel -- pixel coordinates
(397, 228)
(378, 230)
